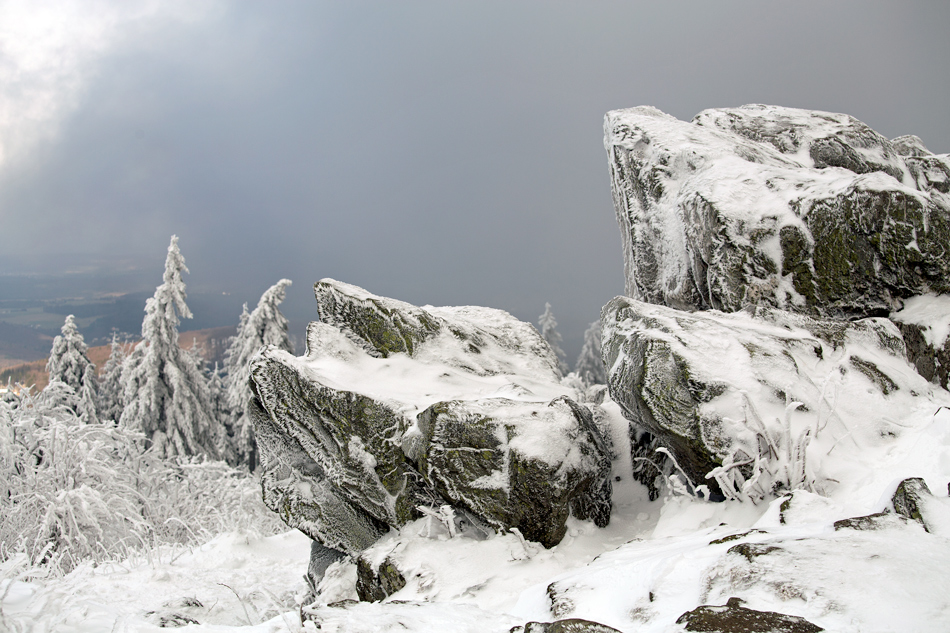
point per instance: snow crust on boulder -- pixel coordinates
(925, 323)
(807, 211)
(755, 401)
(395, 408)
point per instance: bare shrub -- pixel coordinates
(71, 492)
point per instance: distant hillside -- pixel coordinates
(22, 342)
(211, 343)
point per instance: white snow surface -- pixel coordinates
(654, 561)
(932, 313)
(439, 370)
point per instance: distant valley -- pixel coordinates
(210, 342)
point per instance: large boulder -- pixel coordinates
(738, 400)
(806, 211)
(396, 408)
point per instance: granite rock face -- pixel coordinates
(737, 398)
(396, 408)
(806, 211)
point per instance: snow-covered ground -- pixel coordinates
(654, 561)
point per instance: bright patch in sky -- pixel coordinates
(48, 51)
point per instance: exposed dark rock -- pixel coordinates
(931, 361)
(571, 625)
(751, 551)
(877, 521)
(734, 618)
(760, 205)
(169, 619)
(343, 604)
(734, 537)
(909, 499)
(373, 585)
(649, 466)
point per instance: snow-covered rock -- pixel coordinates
(740, 399)
(925, 323)
(568, 625)
(734, 618)
(807, 211)
(397, 410)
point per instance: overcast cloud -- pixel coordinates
(436, 152)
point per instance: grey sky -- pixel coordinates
(436, 152)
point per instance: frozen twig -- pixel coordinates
(241, 600)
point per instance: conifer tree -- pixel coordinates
(110, 383)
(264, 326)
(218, 390)
(553, 337)
(166, 392)
(590, 364)
(69, 364)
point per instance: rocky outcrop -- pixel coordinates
(806, 211)
(396, 408)
(737, 398)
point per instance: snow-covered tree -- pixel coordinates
(217, 387)
(264, 326)
(110, 383)
(590, 364)
(69, 364)
(549, 331)
(166, 392)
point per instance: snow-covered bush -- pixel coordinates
(71, 491)
(778, 464)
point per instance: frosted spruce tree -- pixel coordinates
(264, 326)
(590, 364)
(69, 364)
(550, 334)
(166, 392)
(218, 390)
(110, 383)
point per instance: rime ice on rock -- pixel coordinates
(925, 323)
(738, 399)
(808, 211)
(396, 407)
